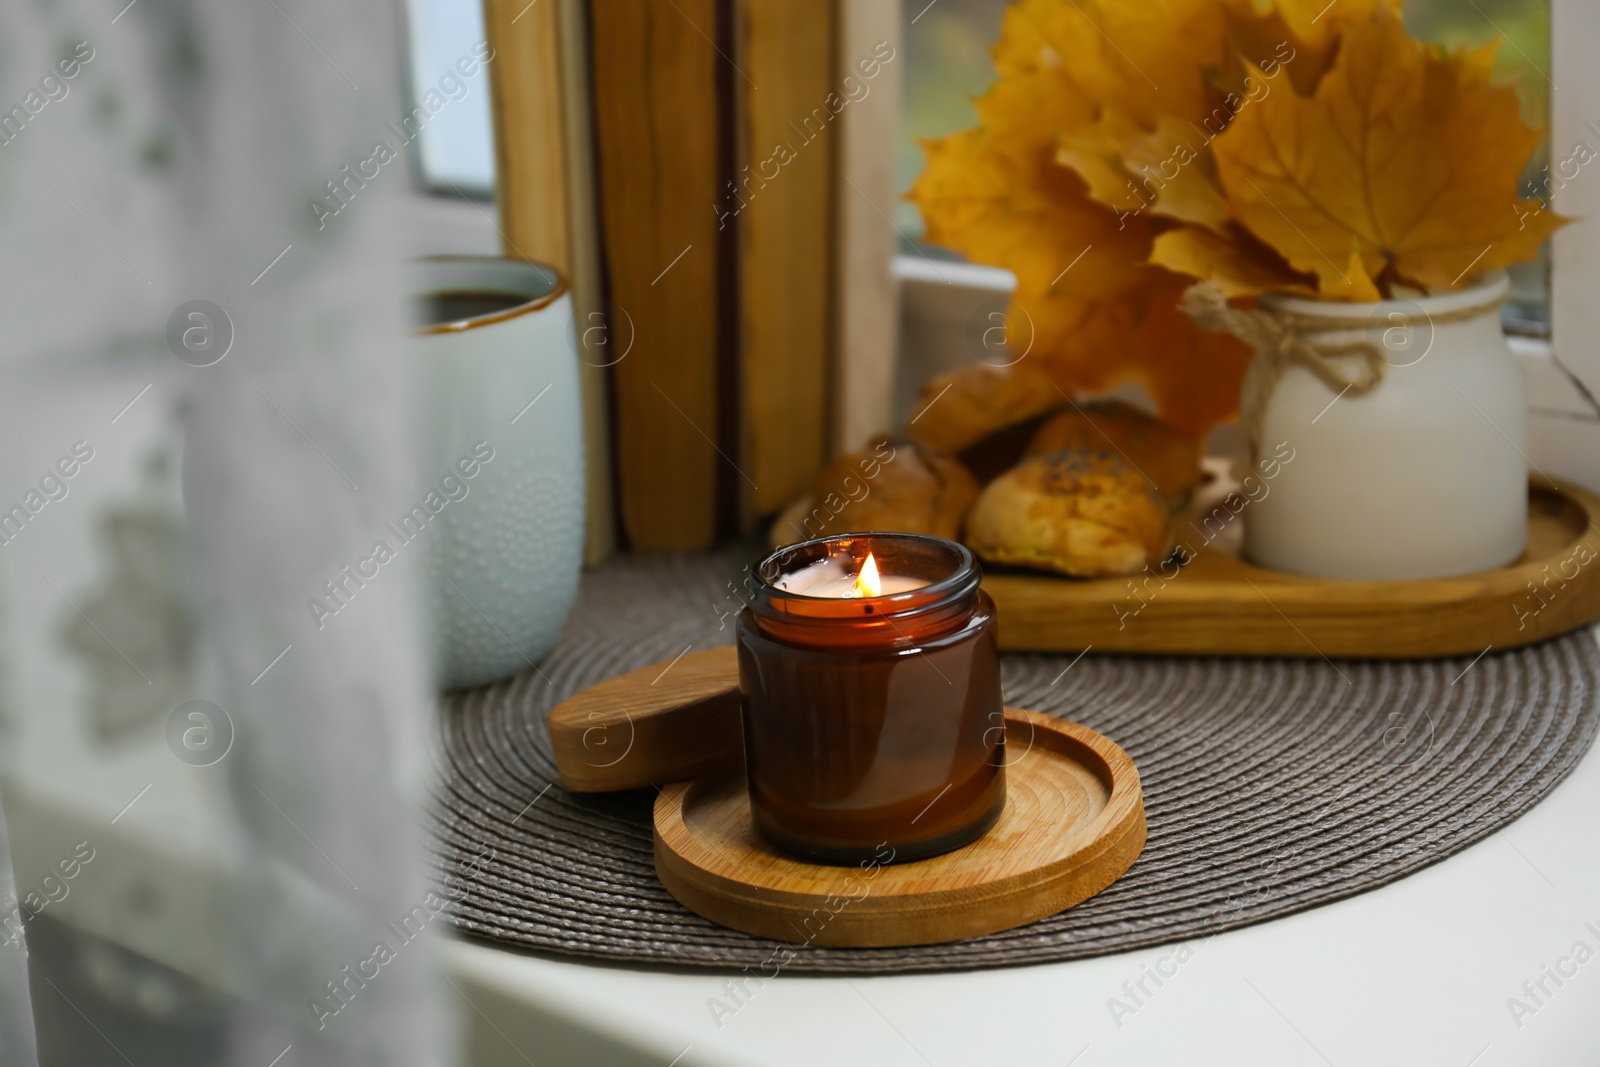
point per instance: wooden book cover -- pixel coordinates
(867, 316)
(599, 342)
(781, 201)
(661, 103)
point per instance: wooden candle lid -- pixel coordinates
(1073, 823)
(661, 723)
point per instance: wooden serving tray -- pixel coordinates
(1218, 604)
(1073, 823)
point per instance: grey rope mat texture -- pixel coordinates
(1271, 786)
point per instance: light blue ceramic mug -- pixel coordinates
(502, 441)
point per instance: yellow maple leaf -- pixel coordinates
(1162, 164)
(1016, 209)
(1087, 304)
(1129, 148)
(1355, 285)
(1094, 314)
(1038, 100)
(1144, 59)
(1408, 155)
(1313, 29)
(1193, 375)
(1008, 205)
(1234, 262)
(1166, 171)
(1318, 23)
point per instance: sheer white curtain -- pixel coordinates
(249, 883)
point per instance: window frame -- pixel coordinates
(1575, 259)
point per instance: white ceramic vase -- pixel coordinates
(502, 422)
(1424, 476)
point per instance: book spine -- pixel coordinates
(596, 335)
(866, 324)
(655, 99)
(781, 196)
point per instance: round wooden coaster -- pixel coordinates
(1073, 823)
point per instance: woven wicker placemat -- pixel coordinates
(1270, 786)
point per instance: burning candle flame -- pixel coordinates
(867, 582)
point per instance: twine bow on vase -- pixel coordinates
(1282, 339)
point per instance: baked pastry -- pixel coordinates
(1077, 511)
(1159, 451)
(961, 408)
(889, 485)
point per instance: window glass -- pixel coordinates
(1524, 56)
(947, 64)
(455, 144)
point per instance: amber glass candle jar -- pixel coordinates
(871, 720)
